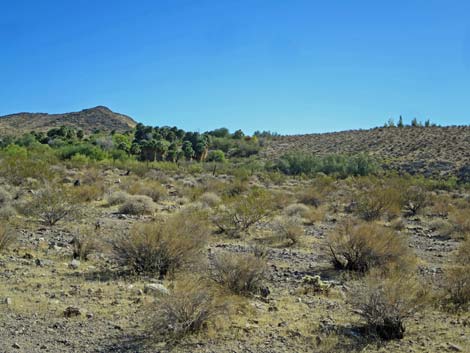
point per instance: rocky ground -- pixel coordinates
(49, 303)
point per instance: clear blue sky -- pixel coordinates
(291, 66)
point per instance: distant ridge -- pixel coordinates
(89, 120)
(431, 151)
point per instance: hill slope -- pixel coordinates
(432, 151)
(88, 120)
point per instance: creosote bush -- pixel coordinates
(414, 200)
(52, 204)
(162, 247)
(188, 309)
(363, 246)
(374, 202)
(384, 303)
(243, 212)
(241, 273)
(137, 205)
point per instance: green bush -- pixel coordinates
(298, 163)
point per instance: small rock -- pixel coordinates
(74, 264)
(156, 288)
(454, 347)
(7, 301)
(16, 345)
(72, 311)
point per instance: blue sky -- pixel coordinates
(291, 66)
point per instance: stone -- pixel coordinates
(74, 264)
(72, 311)
(156, 288)
(455, 348)
(16, 345)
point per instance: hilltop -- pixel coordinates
(97, 118)
(431, 151)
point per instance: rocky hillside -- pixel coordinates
(436, 151)
(88, 120)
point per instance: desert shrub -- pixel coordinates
(188, 309)
(210, 199)
(52, 204)
(374, 202)
(5, 197)
(137, 205)
(161, 247)
(297, 210)
(457, 279)
(361, 247)
(85, 242)
(461, 221)
(442, 227)
(18, 169)
(243, 212)
(385, 303)
(117, 198)
(297, 163)
(150, 188)
(216, 156)
(87, 193)
(414, 200)
(7, 212)
(288, 229)
(310, 197)
(7, 237)
(241, 273)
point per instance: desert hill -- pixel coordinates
(88, 120)
(433, 150)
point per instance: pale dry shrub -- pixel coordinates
(117, 198)
(374, 202)
(85, 242)
(243, 212)
(240, 273)
(5, 197)
(7, 237)
(461, 220)
(414, 200)
(138, 205)
(310, 197)
(162, 247)
(210, 199)
(442, 227)
(150, 188)
(384, 303)
(88, 192)
(189, 309)
(52, 204)
(7, 212)
(297, 210)
(363, 246)
(287, 229)
(457, 280)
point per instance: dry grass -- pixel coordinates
(85, 243)
(7, 237)
(287, 230)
